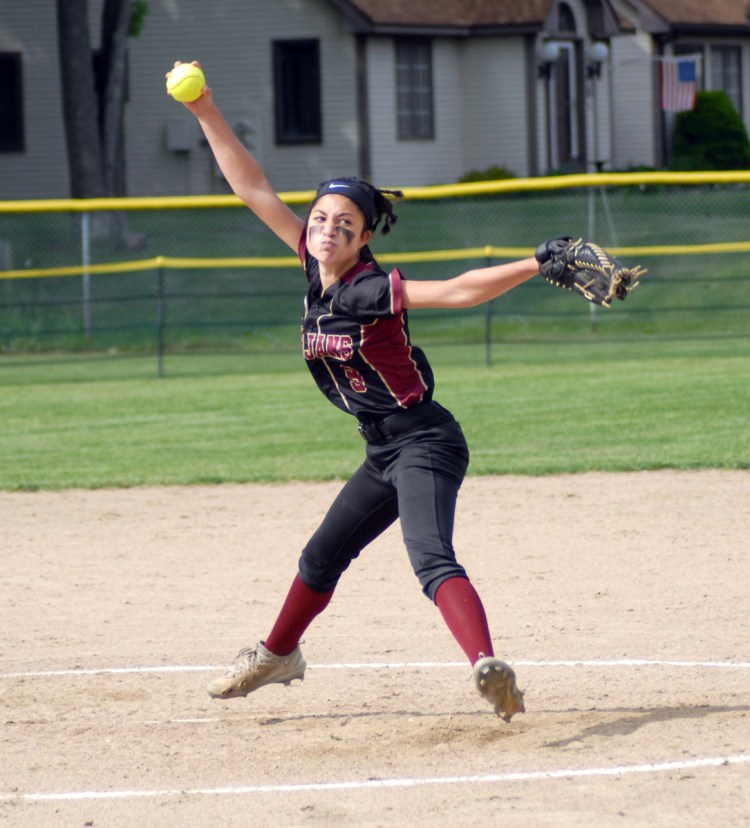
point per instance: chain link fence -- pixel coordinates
(174, 275)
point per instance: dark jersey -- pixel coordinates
(355, 339)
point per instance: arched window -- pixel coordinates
(566, 21)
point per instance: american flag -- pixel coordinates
(679, 84)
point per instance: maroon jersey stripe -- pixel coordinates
(385, 348)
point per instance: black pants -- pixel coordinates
(413, 472)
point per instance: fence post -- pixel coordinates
(86, 277)
(160, 302)
(592, 237)
(488, 316)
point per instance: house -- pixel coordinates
(406, 92)
(714, 33)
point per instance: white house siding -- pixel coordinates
(745, 81)
(542, 126)
(494, 100)
(222, 35)
(633, 107)
(41, 169)
(233, 41)
(381, 97)
(418, 162)
(598, 119)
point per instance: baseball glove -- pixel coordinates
(585, 268)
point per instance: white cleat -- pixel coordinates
(256, 667)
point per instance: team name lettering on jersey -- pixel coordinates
(336, 346)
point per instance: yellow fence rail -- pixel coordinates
(511, 185)
(548, 183)
(489, 252)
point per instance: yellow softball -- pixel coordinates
(186, 82)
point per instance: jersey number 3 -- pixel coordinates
(356, 380)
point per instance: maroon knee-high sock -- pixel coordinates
(300, 608)
(464, 614)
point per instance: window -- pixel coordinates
(296, 81)
(414, 101)
(566, 20)
(726, 72)
(11, 103)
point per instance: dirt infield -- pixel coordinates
(622, 601)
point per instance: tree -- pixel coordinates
(93, 98)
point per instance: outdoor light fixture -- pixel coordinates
(548, 58)
(597, 54)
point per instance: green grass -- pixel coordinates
(538, 409)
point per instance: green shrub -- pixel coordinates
(494, 173)
(711, 136)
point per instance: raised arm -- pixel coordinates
(471, 288)
(243, 173)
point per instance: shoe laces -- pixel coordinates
(243, 662)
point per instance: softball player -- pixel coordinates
(356, 343)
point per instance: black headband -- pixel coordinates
(357, 192)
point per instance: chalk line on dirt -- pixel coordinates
(369, 784)
(390, 665)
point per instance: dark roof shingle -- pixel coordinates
(478, 13)
(462, 13)
(715, 12)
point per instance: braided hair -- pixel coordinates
(384, 207)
